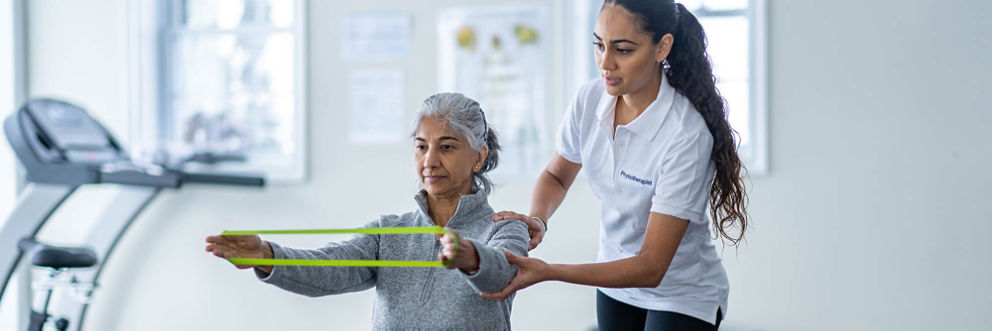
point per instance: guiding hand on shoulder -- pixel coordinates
(534, 227)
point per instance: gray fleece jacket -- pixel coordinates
(416, 298)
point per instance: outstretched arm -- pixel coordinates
(307, 280)
(320, 281)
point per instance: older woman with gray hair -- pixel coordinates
(453, 148)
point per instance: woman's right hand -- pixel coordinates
(251, 247)
(534, 227)
(530, 271)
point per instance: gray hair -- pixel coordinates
(464, 116)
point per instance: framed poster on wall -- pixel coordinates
(500, 56)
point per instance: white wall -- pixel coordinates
(10, 94)
(9, 79)
(872, 216)
(78, 53)
(10, 86)
(868, 220)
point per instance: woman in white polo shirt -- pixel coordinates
(653, 137)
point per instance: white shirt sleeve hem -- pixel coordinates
(683, 213)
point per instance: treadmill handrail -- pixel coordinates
(223, 179)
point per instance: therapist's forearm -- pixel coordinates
(548, 195)
(638, 271)
(646, 269)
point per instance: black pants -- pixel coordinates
(615, 315)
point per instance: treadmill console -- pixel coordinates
(59, 143)
(71, 133)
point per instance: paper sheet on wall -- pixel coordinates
(376, 37)
(499, 56)
(376, 106)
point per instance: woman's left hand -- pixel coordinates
(462, 256)
(530, 271)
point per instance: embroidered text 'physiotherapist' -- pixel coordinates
(633, 178)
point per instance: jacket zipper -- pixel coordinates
(428, 284)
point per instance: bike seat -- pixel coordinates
(43, 255)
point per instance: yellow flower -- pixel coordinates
(525, 34)
(466, 37)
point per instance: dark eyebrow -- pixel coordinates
(615, 41)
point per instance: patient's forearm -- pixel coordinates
(266, 254)
(471, 260)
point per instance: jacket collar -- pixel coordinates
(471, 207)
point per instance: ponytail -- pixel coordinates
(491, 161)
(688, 70)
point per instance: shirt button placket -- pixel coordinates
(617, 153)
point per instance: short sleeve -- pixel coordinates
(568, 145)
(685, 179)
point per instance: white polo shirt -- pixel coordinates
(658, 163)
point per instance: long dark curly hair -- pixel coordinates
(688, 70)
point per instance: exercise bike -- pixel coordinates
(60, 262)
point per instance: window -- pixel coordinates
(736, 32)
(230, 86)
(12, 88)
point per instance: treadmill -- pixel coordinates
(61, 148)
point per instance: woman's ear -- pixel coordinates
(663, 47)
(483, 153)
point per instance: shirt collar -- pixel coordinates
(648, 124)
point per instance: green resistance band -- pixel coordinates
(345, 263)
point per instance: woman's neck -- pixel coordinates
(631, 105)
(442, 208)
